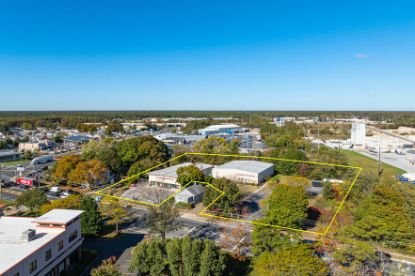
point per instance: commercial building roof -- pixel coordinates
(196, 189)
(8, 152)
(59, 216)
(14, 248)
(172, 171)
(246, 165)
(219, 127)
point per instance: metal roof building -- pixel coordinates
(192, 194)
(216, 129)
(244, 171)
(167, 177)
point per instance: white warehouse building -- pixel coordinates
(40, 246)
(217, 129)
(167, 178)
(244, 171)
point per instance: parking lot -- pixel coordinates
(249, 143)
(146, 193)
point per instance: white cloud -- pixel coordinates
(361, 56)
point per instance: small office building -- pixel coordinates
(40, 246)
(36, 146)
(244, 171)
(192, 194)
(167, 178)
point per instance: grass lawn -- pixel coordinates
(247, 189)
(369, 164)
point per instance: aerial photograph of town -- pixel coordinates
(207, 138)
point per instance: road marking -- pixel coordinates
(188, 232)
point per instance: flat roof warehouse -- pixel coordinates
(247, 165)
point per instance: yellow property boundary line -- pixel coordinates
(203, 212)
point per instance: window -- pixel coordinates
(33, 266)
(73, 236)
(48, 254)
(60, 245)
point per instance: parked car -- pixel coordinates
(67, 193)
(55, 191)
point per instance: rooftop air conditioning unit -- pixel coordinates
(28, 235)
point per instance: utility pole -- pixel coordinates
(379, 162)
(318, 139)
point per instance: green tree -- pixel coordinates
(32, 199)
(287, 206)
(163, 219)
(215, 145)
(148, 258)
(353, 255)
(289, 168)
(113, 127)
(328, 192)
(191, 250)
(384, 215)
(114, 211)
(187, 174)
(177, 257)
(231, 196)
(328, 155)
(211, 261)
(140, 260)
(139, 148)
(139, 167)
(174, 257)
(91, 218)
(294, 260)
(156, 253)
(59, 137)
(270, 239)
(107, 268)
(104, 151)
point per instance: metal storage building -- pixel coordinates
(167, 177)
(192, 194)
(244, 171)
(216, 129)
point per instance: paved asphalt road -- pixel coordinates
(8, 196)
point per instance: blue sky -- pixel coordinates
(207, 55)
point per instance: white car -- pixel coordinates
(64, 194)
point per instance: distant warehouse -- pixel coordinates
(218, 129)
(8, 155)
(167, 178)
(244, 171)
